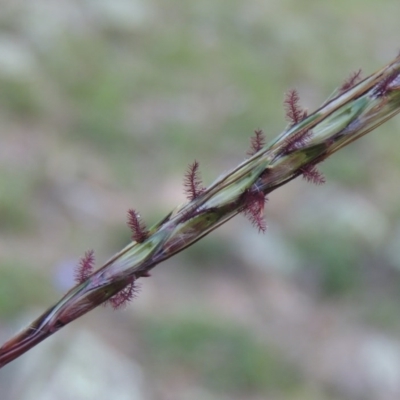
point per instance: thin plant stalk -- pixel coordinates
(346, 116)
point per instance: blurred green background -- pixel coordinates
(103, 104)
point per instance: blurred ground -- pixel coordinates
(103, 104)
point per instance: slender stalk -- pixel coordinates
(344, 117)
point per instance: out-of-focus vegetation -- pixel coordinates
(102, 106)
(217, 354)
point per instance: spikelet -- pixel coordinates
(384, 86)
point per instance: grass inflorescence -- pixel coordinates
(354, 109)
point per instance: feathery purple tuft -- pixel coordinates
(192, 182)
(311, 174)
(351, 81)
(257, 142)
(122, 298)
(138, 227)
(253, 208)
(294, 112)
(85, 267)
